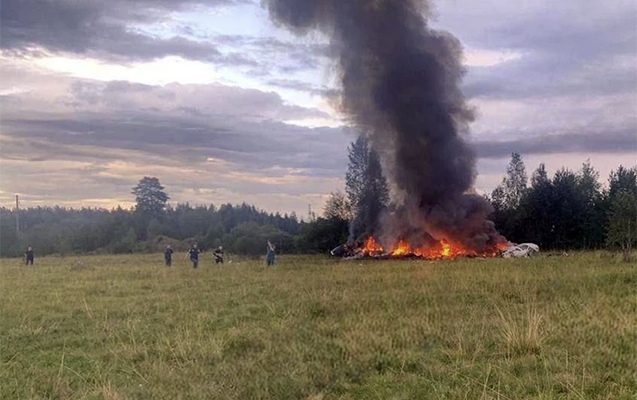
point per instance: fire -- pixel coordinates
(402, 248)
(441, 249)
(445, 249)
(371, 246)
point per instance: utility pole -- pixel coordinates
(17, 216)
(310, 215)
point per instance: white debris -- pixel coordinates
(520, 250)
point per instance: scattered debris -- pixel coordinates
(520, 250)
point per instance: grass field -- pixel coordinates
(125, 327)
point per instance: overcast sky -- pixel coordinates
(222, 106)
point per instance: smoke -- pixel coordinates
(400, 88)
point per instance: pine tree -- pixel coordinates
(537, 209)
(509, 193)
(622, 180)
(150, 197)
(366, 187)
(507, 196)
(592, 201)
(622, 224)
(355, 176)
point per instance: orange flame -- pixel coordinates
(445, 249)
(401, 248)
(442, 249)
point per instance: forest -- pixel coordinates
(569, 210)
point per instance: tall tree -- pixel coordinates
(510, 192)
(498, 199)
(536, 210)
(507, 196)
(337, 206)
(540, 177)
(150, 197)
(622, 180)
(593, 206)
(622, 223)
(358, 153)
(366, 187)
(566, 210)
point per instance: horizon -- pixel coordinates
(130, 205)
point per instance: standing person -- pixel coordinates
(194, 255)
(29, 256)
(168, 255)
(218, 253)
(269, 257)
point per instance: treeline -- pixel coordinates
(570, 210)
(241, 229)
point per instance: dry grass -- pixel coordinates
(124, 327)
(522, 336)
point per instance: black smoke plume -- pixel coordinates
(400, 87)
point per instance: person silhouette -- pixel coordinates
(269, 257)
(168, 255)
(29, 256)
(193, 253)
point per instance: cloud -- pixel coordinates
(122, 31)
(101, 176)
(302, 86)
(193, 99)
(93, 139)
(609, 142)
(193, 121)
(571, 90)
(276, 55)
(110, 30)
(568, 94)
(572, 48)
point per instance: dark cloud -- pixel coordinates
(190, 123)
(619, 141)
(571, 90)
(78, 141)
(562, 32)
(194, 99)
(249, 146)
(571, 27)
(110, 30)
(573, 48)
(105, 29)
(529, 78)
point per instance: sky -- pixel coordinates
(223, 106)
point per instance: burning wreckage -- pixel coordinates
(440, 250)
(400, 88)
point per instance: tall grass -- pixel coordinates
(522, 336)
(125, 327)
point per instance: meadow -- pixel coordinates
(126, 327)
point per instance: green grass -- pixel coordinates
(125, 327)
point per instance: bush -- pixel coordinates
(251, 239)
(323, 235)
